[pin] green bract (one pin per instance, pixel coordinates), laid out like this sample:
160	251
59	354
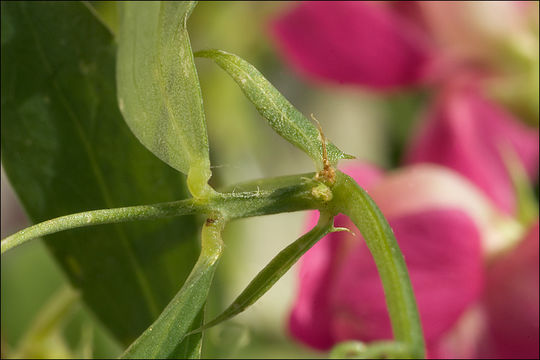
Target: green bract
158	88
284	118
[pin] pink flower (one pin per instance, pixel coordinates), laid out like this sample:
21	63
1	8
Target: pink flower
505	323
444	227
392	45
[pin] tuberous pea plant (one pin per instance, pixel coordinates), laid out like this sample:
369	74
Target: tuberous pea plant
66	149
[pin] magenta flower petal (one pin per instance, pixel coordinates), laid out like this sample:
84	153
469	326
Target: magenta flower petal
466	132
512	302
354	42
443	254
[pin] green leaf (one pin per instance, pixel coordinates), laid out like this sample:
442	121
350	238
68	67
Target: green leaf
66	149
282	116
158	88
166	337
272	272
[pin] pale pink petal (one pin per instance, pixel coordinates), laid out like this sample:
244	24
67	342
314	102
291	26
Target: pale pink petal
353	42
512	302
443	254
425	186
467	133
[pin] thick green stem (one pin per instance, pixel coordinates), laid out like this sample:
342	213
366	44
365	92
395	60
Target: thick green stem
354	202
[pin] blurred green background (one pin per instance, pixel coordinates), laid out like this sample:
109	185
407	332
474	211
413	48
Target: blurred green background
243	147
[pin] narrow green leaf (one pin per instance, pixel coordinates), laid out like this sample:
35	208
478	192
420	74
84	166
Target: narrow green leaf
282	116
158	88
66	149
272	272
166	337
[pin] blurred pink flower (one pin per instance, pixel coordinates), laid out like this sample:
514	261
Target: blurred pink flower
444	227
505	323
392	45
467	132
355	43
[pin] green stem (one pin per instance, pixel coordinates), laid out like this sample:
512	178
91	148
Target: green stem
291	197
98	217
354	202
